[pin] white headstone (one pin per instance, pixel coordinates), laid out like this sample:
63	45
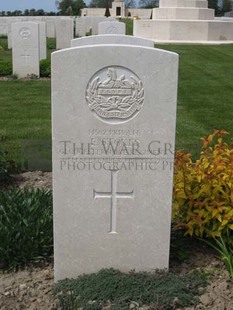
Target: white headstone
9	37
111	39
113	144
42	39
88	23
10	21
80	26
110	27
25	49
3	26
95	20
64	32
50	26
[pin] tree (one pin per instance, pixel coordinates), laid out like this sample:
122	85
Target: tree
78	6
70	7
32	12
148	4
17	13
100	3
130	4
40	12
213	4
227	6
107	11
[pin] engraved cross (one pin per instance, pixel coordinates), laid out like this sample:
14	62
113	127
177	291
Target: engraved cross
113	195
25	56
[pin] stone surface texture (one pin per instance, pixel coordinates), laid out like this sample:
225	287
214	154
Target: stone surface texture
111	27
64	32
42	39
113	142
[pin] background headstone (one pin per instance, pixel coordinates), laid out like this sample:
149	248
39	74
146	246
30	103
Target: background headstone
50	26
25	49
111	27
64	32
95	20
3	26
9	37
11	20
111	39
42	40
113	145
80	27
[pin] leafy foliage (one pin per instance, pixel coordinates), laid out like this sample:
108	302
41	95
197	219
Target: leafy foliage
4	175
45	68
51	44
203	190
70	7
5	68
26	229
100	4
148	4
3	42
31	12
227	6
180	245
111	287
6	165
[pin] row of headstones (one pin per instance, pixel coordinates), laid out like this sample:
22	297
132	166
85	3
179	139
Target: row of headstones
98	25
80	25
29	42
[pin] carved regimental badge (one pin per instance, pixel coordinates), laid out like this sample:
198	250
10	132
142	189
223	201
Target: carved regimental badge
115	94
25	33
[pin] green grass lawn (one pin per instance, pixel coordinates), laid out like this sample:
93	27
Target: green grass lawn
205	94
25	115
5	54
128	25
205	100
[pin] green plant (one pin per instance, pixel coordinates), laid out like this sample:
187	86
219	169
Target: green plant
26	231
6	165
203	195
45	68
3	42
51	43
203	190
3	167
5	68
179	245
225	248
118	290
